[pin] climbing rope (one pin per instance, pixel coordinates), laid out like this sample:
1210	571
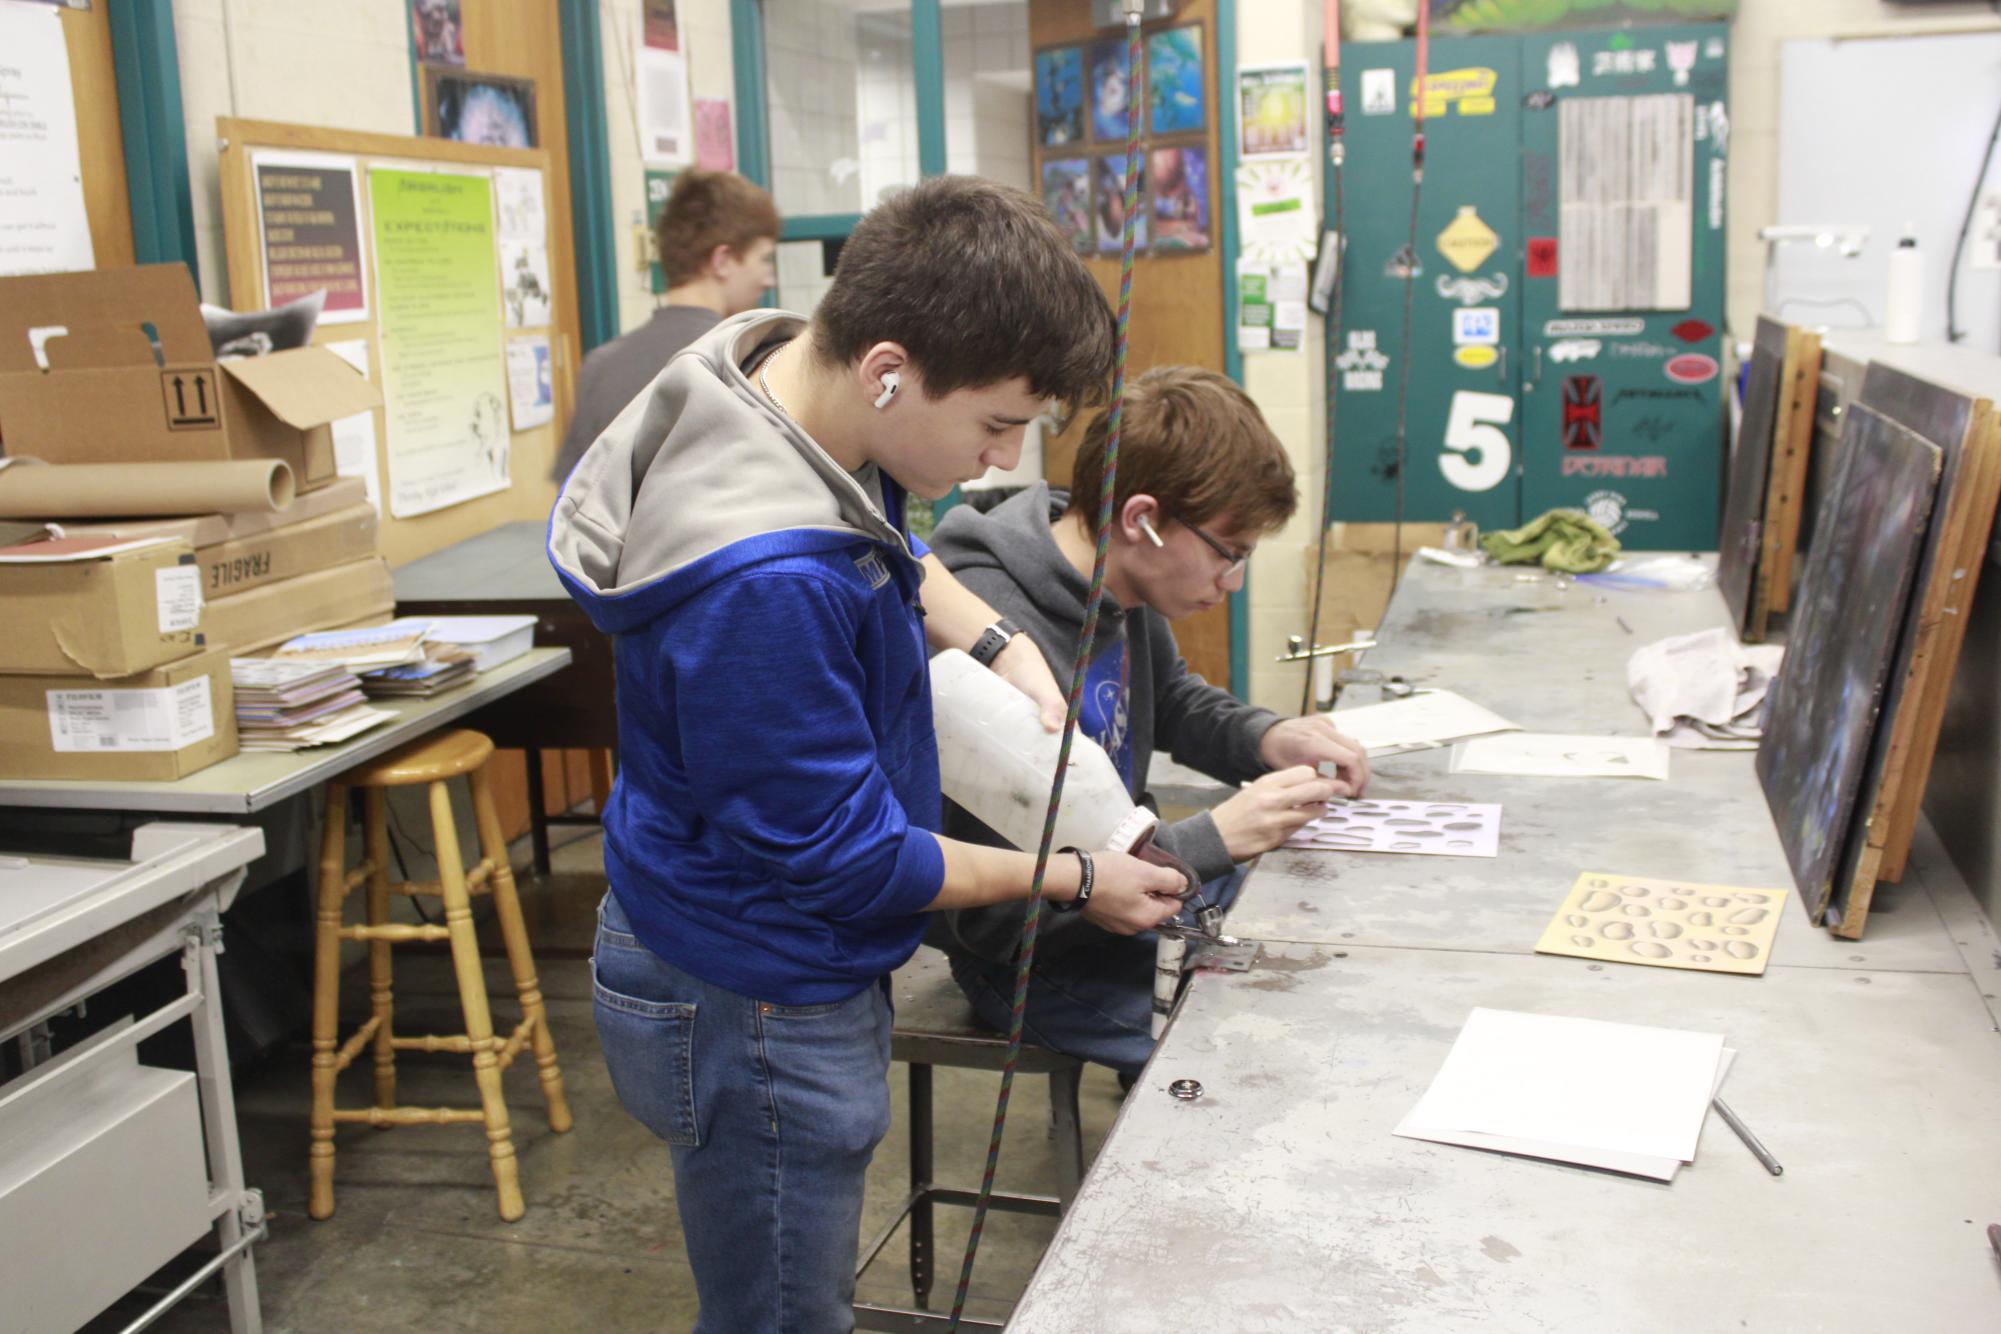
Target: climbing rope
1032	921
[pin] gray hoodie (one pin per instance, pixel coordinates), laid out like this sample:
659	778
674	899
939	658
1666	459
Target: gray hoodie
1010	558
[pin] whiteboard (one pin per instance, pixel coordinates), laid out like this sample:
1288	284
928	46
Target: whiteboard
1885	132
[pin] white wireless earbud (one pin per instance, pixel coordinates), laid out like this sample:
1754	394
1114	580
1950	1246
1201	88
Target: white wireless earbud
891	382
1151	536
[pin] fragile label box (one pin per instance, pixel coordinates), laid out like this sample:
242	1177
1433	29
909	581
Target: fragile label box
322	600
114	366
98	606
157	725
235	559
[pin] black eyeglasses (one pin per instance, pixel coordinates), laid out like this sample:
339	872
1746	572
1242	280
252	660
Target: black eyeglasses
1236	560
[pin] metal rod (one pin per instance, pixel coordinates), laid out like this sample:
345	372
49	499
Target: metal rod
1326	650
1751	1142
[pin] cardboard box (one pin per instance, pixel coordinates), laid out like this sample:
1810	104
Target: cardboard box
266	617
208	530
103	392
157	725
232	568
98	607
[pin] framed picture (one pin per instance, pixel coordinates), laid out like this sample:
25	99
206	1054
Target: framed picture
437	32
1111	91
481	108
1177	182
1108	189
1066	193
1176	94
1059	96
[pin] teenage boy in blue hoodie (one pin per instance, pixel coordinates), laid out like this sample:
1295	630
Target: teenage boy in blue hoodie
769	843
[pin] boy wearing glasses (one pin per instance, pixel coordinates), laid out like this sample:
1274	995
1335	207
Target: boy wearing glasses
1201	479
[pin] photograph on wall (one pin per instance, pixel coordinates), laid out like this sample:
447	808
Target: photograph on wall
1175	98
1271	103
524	282
1066	193
436	30
309	215
482	109
1178	179
1109	191
1059	95
662	26
1111	91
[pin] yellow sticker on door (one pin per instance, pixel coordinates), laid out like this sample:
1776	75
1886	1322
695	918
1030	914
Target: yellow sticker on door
1475	356
1467	241
1470	89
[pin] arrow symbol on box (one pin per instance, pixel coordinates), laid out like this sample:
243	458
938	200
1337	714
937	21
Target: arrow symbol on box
201	393
180	398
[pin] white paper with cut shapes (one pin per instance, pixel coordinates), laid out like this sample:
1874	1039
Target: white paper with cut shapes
1426	828
1666	923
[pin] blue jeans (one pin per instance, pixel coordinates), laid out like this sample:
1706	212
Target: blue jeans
1094	1002
770	1113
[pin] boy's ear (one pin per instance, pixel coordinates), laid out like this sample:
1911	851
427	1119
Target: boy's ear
881	360
1137	516
721	256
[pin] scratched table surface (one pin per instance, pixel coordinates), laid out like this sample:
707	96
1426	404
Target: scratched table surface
1280	1200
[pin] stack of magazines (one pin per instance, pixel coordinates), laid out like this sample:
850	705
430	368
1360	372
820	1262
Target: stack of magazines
289	705
442	667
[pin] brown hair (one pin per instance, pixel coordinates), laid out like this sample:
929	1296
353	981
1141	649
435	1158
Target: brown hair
978	284
706	209
1194	441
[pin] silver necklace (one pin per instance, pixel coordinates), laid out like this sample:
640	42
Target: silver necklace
765	384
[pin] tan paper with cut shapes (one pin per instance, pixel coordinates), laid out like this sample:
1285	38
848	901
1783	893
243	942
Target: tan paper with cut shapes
1666	923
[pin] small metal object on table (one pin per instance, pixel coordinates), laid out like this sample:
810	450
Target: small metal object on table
506	571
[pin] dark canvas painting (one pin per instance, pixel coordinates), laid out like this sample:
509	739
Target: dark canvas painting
1828	695
1750	473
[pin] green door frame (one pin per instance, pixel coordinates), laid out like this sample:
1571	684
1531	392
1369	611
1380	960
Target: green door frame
148	66
1233	358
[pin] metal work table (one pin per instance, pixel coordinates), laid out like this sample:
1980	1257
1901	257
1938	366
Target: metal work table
1282	1201
88	1134
254	780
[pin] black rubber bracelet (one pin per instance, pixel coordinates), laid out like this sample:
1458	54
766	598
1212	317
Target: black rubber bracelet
1087	882
993	640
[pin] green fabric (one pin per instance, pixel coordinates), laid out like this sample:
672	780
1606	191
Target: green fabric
1567	541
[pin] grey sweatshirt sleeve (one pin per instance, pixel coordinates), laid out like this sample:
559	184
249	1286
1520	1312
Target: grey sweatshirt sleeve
1198	842
1200	725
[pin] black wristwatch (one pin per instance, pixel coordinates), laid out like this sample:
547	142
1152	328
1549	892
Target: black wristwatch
995	638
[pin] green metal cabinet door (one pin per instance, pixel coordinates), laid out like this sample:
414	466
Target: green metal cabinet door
1624	137
1460	453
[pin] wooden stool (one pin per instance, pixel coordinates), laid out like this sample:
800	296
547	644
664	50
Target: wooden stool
431	760
935	1025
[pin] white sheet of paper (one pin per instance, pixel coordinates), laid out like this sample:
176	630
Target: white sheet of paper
1425	718
1633	1164
354	437
1578	1083
1553	755
528	381
1435	828
44	227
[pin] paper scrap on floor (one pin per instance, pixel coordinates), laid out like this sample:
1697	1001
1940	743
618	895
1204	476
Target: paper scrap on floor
1426	719
1625	1097
1434	828
1666	923
1704	691
1551	755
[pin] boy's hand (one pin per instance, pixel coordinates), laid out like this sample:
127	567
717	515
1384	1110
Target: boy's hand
1271	810
1313	741
1131	896
1021	665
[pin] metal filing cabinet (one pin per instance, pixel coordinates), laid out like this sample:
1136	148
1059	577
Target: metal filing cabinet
1533	386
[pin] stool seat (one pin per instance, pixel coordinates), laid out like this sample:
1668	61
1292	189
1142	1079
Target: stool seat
935	1024
426	760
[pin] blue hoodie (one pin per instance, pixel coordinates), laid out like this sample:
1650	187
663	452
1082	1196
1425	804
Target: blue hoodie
778	773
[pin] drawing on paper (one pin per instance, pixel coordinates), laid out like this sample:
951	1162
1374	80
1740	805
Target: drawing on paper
1435	828
1552	755
1666	923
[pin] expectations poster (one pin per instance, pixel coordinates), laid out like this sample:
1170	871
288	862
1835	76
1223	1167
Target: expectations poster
444	375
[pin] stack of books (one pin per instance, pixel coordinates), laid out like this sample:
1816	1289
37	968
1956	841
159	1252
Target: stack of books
443	666
284	705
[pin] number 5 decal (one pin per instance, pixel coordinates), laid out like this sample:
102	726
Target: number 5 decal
1474	426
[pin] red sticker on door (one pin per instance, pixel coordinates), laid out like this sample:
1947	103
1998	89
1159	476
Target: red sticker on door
1542	257
1583	408
1691	368
1693	331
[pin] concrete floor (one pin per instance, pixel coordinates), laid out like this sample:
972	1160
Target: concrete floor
416	1242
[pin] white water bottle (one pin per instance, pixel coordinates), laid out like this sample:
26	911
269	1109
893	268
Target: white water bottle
995	760
1905	299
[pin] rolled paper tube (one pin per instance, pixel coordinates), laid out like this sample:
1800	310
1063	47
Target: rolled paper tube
131	490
